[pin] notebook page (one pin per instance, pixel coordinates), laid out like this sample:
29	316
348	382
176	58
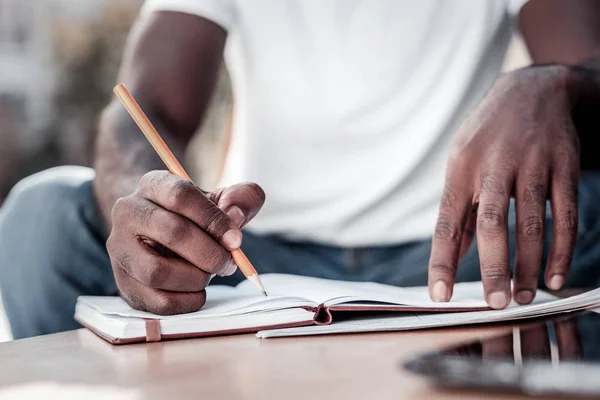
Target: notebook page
220	301
316	289
544	304
463	292
332	292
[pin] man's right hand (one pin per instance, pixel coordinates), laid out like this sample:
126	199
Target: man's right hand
169	237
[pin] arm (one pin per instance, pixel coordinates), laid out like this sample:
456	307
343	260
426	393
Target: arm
568	33
171	65
524	141
167	236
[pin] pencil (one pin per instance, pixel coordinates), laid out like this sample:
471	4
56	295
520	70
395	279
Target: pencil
175	167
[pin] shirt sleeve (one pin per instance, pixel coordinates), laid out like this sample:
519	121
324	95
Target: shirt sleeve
220	12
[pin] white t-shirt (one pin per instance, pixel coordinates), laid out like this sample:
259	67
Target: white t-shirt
345	109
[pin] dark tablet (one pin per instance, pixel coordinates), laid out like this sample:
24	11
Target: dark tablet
560	356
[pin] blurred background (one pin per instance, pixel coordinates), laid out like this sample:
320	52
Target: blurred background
58	64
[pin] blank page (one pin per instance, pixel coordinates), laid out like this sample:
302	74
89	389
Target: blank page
332	292
220	301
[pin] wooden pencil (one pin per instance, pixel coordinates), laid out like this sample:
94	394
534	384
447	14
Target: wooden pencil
175	167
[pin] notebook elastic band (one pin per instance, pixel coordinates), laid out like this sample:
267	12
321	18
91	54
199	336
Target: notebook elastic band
152	330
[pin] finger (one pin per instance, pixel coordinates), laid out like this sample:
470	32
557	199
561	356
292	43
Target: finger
153	270
535	344
447	239
468	232
501	347
241	202
531	195
158	302
492	237
564	222
568	339
174	232
184	198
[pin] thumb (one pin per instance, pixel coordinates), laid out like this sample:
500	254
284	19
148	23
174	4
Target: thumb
240	202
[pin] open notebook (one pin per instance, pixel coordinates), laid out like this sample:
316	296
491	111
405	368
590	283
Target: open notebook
299	306
293	301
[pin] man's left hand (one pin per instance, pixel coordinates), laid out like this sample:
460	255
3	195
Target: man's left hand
520	142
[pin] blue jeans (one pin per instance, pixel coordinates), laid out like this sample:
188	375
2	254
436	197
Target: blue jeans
52	249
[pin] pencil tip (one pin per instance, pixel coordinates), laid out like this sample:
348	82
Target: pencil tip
264	293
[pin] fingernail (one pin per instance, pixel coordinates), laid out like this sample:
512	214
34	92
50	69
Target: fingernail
232	239
237	216
556	282
440	292
498	300
524	296
231	269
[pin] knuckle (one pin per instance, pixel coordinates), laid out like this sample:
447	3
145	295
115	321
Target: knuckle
156	273
151	182
121	209
146	179
492	183
142	212
153	178
490	220
134	300
214	221
168	305
569	183
567	224
175	230
217	261
178	193
535	193
531	229
110	243
447	230
493	271
443	268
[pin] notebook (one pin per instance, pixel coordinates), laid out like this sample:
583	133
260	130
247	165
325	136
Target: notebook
544	304
293	301
302	306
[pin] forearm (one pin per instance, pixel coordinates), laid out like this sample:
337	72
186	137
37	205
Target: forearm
568	33
123	156
170	65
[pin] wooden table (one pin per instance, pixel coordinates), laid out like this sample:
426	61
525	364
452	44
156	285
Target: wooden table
81	366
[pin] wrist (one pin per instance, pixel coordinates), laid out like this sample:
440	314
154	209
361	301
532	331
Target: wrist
547	82
566	80
587	82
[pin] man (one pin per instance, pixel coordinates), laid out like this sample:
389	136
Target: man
348	116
